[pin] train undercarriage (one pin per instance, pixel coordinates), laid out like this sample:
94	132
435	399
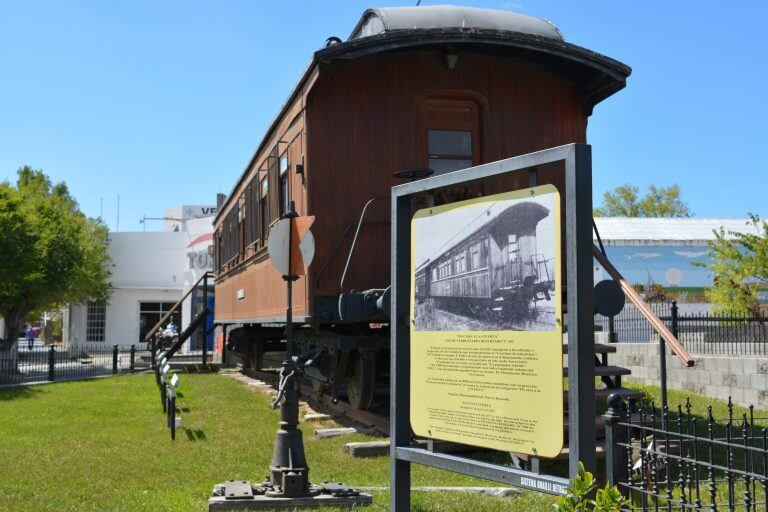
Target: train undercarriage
350	358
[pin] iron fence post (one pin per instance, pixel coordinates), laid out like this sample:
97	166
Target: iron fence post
205	320
612	335
673	327
133	357
152	355
615	436
663	356
51	363
114	359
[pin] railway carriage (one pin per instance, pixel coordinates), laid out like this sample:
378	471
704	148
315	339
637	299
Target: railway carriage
430	87
495	270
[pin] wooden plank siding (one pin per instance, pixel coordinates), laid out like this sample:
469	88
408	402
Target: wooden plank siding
354	124
364	124
262	286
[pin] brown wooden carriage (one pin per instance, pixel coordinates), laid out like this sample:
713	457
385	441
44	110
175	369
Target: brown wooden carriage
437	87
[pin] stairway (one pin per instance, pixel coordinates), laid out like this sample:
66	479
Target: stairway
185	334
610	377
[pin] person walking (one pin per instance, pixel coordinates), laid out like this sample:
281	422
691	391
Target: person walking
30	337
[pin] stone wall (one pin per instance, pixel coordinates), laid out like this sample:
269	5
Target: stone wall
744	379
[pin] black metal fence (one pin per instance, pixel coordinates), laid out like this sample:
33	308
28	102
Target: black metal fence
701	334
722	334
677	460
50	363
630	326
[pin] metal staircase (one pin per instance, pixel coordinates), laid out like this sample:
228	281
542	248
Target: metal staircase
610	376
186	334
203	285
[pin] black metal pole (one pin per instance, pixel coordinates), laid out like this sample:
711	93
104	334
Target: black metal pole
133	357
205	320
615	435
289	471
663	357
580	301
114	359
51	363
612	337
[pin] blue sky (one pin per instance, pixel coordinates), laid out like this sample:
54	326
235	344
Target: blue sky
164	102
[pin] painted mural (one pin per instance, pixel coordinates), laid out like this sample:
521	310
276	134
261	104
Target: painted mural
662	271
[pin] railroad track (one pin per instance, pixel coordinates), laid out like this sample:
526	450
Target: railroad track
371	419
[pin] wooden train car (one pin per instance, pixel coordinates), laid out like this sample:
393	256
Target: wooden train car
436	87
496	268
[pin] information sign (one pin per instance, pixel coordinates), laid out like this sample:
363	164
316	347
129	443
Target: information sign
486	324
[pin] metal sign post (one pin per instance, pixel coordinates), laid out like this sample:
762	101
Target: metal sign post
291	249
576	159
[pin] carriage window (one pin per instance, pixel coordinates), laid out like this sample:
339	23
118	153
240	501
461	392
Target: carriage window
264	209
475	256
285	197
434	274
449	150
451	133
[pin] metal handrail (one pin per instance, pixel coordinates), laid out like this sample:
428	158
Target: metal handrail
677	347
176	306
354	240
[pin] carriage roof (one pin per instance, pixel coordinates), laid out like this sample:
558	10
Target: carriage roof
506	34
519	217
386	20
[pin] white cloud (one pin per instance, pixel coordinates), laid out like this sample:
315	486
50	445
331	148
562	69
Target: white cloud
691	254
643	255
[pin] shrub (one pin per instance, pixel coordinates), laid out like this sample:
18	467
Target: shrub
578	499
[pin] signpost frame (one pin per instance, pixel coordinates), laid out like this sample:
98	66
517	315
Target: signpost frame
577	163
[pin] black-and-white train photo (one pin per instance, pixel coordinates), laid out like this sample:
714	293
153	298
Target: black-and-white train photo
488	266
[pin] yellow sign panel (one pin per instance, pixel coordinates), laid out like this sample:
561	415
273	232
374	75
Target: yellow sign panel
486	325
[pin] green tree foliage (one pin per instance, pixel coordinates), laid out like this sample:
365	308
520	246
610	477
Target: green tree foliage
578	499
52	254
625	201
739	263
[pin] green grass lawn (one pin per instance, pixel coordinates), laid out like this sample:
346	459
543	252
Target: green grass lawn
103	445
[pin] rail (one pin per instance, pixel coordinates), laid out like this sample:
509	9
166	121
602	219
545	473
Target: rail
657	324
148	337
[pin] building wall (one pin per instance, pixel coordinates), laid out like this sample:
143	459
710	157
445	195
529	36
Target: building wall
745	379
148	260
122	316
146	267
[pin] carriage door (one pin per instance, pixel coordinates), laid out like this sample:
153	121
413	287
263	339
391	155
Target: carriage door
451	129
513	271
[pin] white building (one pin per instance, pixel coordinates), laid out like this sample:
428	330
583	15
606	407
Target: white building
151	272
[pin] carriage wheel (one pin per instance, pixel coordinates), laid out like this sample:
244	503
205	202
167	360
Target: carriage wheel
362	381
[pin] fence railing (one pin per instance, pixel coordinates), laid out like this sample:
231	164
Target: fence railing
729	335
668	460
701	333
50	363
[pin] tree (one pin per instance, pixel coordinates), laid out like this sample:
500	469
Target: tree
625	201
739	263
52	254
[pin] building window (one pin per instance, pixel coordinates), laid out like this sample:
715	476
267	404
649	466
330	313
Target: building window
96	321
151	312
264	209
285	193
